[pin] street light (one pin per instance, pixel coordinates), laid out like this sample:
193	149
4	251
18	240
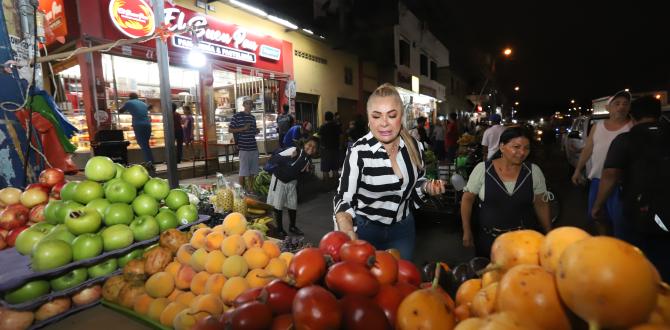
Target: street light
572	101
516	88
507	51
516	103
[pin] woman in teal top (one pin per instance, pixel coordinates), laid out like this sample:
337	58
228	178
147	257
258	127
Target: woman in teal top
511	194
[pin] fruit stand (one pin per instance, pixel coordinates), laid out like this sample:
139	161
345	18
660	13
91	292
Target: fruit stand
61	240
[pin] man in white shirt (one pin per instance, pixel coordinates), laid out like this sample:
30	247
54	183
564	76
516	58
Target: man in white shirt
491	137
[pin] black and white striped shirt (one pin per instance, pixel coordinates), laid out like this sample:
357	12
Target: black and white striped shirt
369	187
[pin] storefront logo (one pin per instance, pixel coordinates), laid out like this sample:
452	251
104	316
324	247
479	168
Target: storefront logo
134	18
214	49
269	52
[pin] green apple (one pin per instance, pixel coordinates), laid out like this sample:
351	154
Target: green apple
27	292
99	205
83	220
119	170
187	214
65	209
136	175
116	237
59	232
31	236
176	198
145	205
100	168
87	191
119	191
51	212
167	220
86	246
134	254
67	192
51	254
157	188
104	268
118	213
69	279
144	228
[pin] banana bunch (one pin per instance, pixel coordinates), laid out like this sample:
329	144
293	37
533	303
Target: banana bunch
260	224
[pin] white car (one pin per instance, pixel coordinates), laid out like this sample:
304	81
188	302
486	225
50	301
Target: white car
574	141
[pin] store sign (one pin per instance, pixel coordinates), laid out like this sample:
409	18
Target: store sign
55	26
220	39
134	18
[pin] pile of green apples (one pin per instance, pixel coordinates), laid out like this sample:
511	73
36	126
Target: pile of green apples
114	207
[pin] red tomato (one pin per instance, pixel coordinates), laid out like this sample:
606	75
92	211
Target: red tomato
347	277
283	322
280	296
331	243
358	251
385	268
405	289
247	296
389	298
316	308
408	273
361	313
252	315
307	267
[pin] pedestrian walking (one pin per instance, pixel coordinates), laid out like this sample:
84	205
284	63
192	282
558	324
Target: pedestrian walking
187	124
437	138
296	133
640	159
382	176
511	194
329	133
597	143
451	137
284	123
491	137
178	132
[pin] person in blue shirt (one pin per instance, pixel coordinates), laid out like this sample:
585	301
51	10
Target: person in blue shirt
295	133
141	125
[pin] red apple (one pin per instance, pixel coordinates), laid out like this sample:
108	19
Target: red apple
14	216
3	244
52	176
40	186
11	237
3	233
34	196
37	213
55	190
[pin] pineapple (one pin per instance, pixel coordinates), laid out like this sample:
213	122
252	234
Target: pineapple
225	198
240	206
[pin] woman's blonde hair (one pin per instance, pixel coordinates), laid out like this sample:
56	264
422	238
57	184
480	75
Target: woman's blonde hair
388	90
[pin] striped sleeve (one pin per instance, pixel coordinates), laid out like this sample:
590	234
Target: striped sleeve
418	191
344	198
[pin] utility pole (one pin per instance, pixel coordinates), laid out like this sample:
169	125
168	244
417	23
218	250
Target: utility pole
166	98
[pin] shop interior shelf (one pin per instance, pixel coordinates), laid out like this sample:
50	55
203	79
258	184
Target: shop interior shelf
30	305
73	310
20	271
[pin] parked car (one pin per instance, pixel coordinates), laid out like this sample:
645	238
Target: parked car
574	141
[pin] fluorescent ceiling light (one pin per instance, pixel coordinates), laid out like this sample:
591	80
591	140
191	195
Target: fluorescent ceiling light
308	31
283	22
249	8
322	37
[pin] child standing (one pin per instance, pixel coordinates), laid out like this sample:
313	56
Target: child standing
283	193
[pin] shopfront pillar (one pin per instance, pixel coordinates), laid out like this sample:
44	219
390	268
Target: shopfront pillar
93	92
207	107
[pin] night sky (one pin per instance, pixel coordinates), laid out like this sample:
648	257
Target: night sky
562	50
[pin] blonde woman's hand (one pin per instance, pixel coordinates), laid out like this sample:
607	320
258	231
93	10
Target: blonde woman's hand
434	187
467	239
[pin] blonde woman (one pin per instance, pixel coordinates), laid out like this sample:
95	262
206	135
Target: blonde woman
383	174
